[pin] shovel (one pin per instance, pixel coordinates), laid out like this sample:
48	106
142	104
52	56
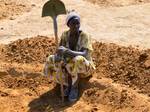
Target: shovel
53	8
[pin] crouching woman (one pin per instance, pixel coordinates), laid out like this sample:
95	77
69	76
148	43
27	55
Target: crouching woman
72	59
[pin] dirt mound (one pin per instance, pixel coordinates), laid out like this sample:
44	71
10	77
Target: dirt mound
109	96
10	8
29	50
117	3
116	98
126	65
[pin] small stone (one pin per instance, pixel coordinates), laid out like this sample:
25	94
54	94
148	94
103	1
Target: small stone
3	94
33	5
147	63
111	65
12	18
29	94
3	73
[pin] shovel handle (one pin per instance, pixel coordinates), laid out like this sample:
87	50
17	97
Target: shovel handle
56	40
55	30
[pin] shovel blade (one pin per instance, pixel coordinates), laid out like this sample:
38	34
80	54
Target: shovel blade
53	8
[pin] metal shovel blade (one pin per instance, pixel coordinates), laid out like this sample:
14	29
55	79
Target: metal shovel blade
53	8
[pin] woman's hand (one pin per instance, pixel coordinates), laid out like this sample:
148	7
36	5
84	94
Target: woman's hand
58	58
61	50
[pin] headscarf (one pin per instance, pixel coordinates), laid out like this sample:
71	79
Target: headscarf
72	15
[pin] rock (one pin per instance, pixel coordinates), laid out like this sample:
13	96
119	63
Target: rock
3	73
2	28
33	5
143	57
147	63
12	18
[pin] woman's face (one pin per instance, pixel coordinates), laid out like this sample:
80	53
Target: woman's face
74	25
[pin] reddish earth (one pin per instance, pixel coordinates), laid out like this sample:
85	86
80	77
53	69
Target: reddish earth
120	83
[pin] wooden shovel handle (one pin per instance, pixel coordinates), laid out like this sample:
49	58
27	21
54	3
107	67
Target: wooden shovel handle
55	30
57	45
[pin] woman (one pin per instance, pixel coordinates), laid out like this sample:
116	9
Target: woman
72	59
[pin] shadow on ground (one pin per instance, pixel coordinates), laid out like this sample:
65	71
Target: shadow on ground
51	100
48	102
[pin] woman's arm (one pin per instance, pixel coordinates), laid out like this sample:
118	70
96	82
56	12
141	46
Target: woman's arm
71	53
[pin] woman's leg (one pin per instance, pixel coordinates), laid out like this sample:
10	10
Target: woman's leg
54	70
75	67
79	66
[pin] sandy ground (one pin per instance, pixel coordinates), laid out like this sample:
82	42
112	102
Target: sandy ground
123	25
121	81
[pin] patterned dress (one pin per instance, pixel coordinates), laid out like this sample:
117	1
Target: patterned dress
76	66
